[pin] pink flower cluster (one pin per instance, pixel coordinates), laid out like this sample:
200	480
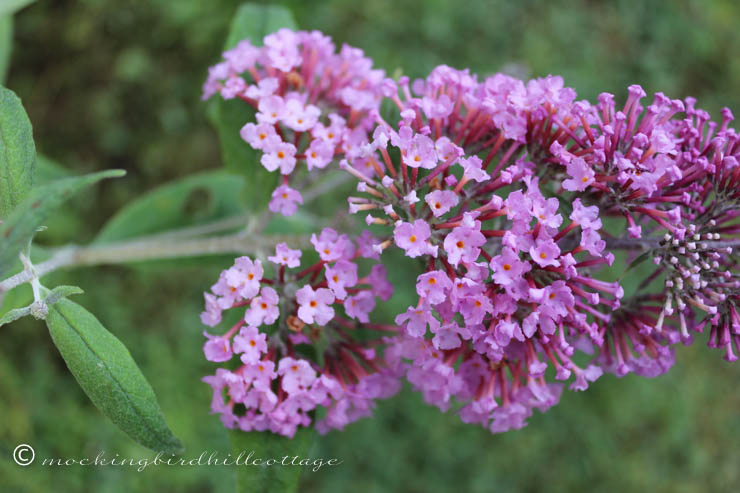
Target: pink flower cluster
520	203
311	102
494	299
274	380
501	188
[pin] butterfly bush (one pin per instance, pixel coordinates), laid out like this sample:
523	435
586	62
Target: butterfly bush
510	200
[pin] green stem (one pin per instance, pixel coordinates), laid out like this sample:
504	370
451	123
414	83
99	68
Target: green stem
153	248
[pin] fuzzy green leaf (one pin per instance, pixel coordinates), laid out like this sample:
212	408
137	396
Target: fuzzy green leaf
15	314
21	225
61	292
109	375
17	152
265	445
191	201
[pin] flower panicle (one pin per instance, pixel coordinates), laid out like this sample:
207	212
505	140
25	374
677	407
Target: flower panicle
312	102
277	381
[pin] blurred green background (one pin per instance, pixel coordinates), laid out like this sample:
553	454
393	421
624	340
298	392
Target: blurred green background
117	84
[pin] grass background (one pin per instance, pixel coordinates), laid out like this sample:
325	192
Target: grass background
117	84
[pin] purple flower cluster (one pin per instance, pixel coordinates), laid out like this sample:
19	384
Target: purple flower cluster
311	102
506	289
277	381
519	202
501	188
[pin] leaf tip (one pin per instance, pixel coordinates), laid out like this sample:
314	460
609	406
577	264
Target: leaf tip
116	173
173	447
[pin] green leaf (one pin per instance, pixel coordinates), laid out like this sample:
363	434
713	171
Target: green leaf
12	6
48	170
253	22
61	292
266	445
67	221
109	376
238	156
15	314
21	225
17	152
6	44
640	259
188	202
